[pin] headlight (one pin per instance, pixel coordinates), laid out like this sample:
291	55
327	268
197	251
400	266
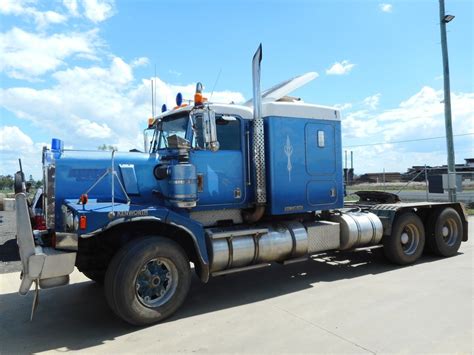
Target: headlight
76	223
69	220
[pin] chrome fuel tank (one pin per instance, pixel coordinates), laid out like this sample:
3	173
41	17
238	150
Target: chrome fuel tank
358	229
232	248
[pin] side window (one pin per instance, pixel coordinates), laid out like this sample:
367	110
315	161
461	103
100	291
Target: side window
228	133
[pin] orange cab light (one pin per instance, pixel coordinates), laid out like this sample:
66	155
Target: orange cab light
198	98
151	120
83	222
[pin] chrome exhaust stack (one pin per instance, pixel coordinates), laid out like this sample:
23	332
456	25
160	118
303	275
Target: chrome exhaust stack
258	144
258	133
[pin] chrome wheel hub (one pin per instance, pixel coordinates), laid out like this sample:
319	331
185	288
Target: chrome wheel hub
404	238
156	282
450	232
445	231
410	239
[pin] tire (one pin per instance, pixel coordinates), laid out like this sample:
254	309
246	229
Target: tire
405	245
95	275
444	232
147	280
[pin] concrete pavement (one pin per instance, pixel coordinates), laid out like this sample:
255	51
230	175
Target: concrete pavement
350	303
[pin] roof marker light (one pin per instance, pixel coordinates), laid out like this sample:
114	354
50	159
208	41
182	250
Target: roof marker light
198	100
163	108
179	99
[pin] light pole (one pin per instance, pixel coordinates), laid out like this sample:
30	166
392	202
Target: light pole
443	20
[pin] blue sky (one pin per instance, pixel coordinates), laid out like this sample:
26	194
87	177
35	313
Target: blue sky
80	69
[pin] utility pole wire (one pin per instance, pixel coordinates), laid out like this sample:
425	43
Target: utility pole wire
406	141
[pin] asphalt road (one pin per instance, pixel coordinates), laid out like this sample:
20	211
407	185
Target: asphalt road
350	303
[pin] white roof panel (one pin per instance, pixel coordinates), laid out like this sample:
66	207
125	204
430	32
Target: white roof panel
300	110
280	109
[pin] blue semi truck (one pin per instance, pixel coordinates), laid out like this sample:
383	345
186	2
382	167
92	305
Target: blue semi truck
219	189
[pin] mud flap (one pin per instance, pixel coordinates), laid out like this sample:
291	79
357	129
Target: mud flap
46	267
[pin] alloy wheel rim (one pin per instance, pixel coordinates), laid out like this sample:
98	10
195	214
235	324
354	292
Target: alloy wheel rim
156	282
410	239
450	232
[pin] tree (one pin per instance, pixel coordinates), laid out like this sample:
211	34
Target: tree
6	182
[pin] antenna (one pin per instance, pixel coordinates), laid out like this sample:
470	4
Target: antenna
215	83
155	89
152	101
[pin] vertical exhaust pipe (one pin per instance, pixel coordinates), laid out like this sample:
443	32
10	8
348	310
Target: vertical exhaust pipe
258	144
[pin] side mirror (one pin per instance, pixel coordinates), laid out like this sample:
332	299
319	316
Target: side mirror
146	140
209	131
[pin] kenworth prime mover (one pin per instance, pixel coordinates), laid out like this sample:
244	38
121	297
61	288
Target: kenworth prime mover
225	187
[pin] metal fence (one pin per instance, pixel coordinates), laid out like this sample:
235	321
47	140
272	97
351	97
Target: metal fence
424	185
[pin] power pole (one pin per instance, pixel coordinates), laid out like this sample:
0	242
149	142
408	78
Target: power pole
443	20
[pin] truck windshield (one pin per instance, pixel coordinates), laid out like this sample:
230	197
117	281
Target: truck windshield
176	125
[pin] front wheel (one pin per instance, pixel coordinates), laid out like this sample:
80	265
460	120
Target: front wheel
147	280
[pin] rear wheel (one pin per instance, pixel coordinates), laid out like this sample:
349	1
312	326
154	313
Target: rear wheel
147	280
444	232
405	245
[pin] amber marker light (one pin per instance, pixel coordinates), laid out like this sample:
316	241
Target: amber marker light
83	222
151	120
198	99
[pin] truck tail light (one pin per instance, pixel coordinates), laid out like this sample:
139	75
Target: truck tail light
83	222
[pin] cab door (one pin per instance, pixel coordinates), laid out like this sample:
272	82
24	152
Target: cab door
221	174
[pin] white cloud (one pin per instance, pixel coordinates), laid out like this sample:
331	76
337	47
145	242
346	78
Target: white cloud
24	8
72	7
12	138
98	10
420	116
27	55
87	107
14	145
386	7
140	62
372	101
340	68
92	129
